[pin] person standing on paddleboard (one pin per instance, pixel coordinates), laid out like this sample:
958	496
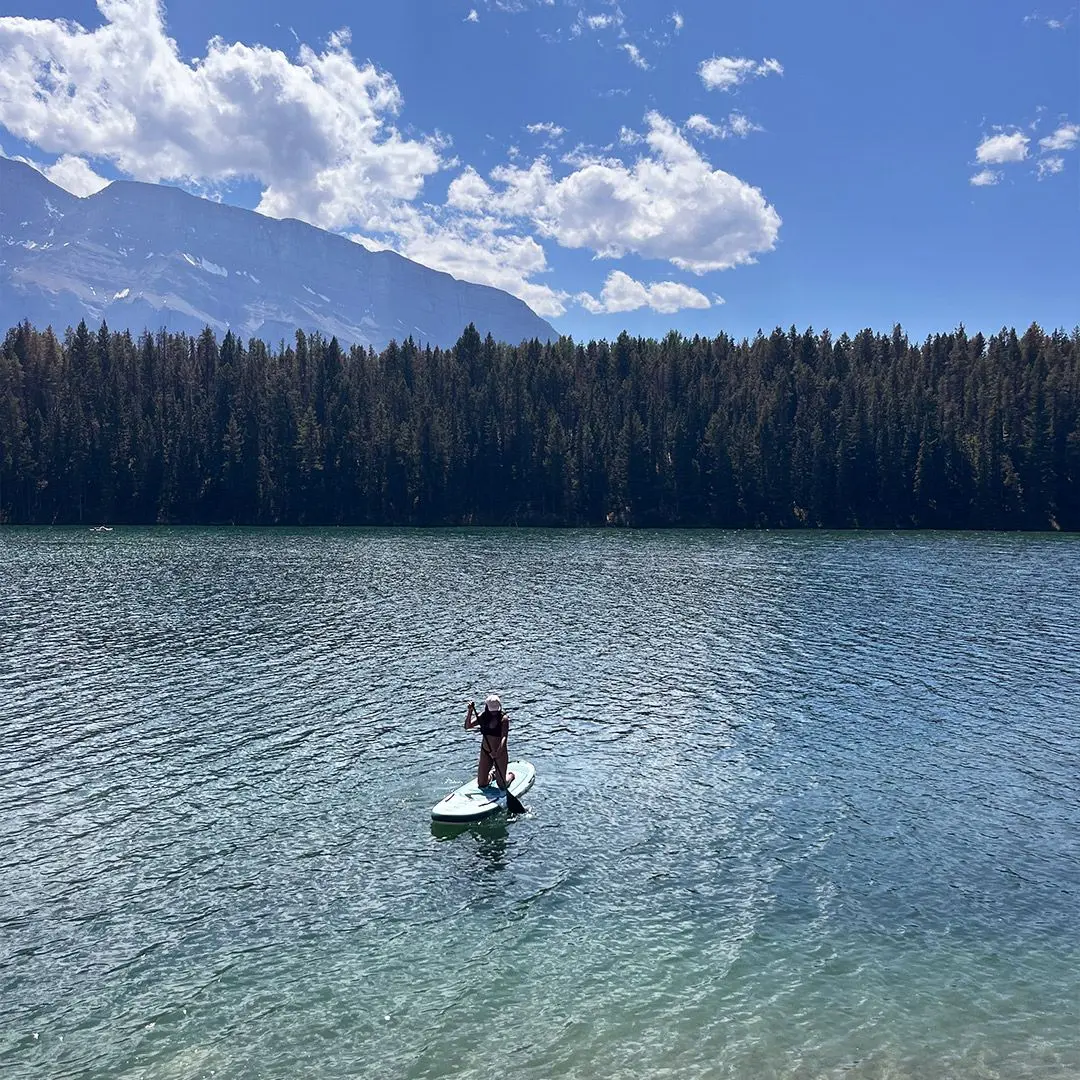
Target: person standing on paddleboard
494	727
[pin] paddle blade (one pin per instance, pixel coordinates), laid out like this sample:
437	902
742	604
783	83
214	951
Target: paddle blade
513	805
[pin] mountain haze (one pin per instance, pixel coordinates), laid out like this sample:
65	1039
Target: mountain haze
147	256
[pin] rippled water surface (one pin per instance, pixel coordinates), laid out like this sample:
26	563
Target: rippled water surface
806	806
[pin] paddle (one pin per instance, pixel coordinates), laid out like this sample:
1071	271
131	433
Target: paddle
513	804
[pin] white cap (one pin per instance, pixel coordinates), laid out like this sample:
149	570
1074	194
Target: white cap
493	704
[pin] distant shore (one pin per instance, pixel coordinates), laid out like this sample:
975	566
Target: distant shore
791	430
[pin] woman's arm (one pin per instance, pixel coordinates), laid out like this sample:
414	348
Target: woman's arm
471	719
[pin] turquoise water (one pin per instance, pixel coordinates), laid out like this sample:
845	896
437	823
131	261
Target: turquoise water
807	805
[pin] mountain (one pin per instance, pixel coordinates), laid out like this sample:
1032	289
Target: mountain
147	256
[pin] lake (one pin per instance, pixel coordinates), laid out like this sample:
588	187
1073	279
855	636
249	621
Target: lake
807	805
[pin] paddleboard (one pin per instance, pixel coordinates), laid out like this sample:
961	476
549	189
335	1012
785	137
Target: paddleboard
470	802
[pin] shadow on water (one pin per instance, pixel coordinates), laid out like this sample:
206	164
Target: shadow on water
490	836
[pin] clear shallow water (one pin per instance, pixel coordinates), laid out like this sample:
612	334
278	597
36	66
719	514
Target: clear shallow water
807	805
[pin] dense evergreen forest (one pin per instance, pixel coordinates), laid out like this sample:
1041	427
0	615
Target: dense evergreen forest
790	429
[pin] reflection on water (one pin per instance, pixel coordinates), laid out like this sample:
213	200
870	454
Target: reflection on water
488	837
806	805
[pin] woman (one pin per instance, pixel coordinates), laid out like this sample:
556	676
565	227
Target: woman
494	727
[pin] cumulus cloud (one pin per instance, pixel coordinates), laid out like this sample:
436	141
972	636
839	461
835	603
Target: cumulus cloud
469	192
678	21
476	248
623	293
736	125
1065	138
1009	147
635	56
1002	149
473	16
727	72
73	174
702	125
314	131
670	204
552	131
1050	165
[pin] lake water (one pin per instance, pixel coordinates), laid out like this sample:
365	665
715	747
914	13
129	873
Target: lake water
807	805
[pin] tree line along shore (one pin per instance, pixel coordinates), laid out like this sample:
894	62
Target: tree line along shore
790	429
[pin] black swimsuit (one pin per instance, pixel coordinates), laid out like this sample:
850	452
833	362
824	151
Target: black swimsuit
490	726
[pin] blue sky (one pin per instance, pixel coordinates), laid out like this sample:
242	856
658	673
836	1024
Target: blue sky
639	166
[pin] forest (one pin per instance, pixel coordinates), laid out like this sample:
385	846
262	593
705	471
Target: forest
787	430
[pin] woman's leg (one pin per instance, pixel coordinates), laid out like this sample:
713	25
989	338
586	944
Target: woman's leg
502	762
483	769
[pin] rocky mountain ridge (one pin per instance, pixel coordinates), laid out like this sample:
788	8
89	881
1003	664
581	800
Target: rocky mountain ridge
150	256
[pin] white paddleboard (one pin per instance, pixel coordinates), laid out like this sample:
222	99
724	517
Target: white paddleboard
470	802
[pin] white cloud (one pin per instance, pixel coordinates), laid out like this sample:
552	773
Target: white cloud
1053	24
671	204
727	72
317	134
985	178
635	56
599	21
370	242
1050	165
476	249
1065	138
623	293
582	154
678	20
547	128
736	125
1002	149
469	192
702	125
629	137
473	16
75	175
741	126
315	131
